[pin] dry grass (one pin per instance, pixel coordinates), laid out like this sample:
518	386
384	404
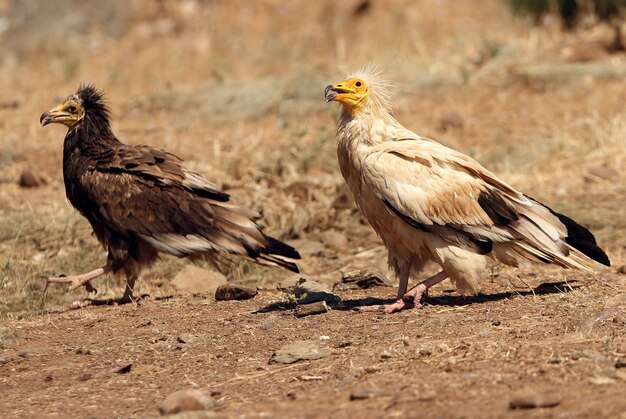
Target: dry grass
237	92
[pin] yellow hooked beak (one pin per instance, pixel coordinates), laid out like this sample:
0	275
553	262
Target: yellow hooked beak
58	115
333	91
352	93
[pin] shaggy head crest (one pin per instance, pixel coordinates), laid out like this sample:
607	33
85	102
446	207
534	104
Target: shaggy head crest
93	100
85	107
379	84
365	89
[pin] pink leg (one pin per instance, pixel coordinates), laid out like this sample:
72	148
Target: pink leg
420	291
399	304
77	281
411	298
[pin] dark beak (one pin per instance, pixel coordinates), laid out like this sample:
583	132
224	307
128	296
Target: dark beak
45	119
58	115
329	94
332	90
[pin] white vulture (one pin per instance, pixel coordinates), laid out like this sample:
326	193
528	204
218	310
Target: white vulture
428	202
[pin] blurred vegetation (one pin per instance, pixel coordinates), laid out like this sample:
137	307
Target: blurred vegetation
571	11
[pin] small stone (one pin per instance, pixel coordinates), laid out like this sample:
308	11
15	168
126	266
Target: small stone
187	338
9	104
363	278
342	345
344	198
451	120
318	307
299	191
529	399
299	351
621	269
84	377
334	240
26	352
8	338
31	179
229	292
196	280
586	326
308	291
601	380
423	352
143	323
188	400
268	324
386	354
620	363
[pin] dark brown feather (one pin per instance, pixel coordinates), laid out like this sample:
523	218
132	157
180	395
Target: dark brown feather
141	201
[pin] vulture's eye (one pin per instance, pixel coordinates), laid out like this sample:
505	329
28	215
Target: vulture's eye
357	84
72	109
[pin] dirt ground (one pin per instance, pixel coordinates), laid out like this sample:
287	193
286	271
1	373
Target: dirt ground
236	89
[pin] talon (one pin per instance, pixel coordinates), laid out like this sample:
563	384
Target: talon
90	288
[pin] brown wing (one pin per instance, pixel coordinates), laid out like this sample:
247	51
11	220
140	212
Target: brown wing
145	192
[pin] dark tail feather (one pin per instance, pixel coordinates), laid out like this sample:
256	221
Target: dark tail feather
275	251
280	262
278	248
580	238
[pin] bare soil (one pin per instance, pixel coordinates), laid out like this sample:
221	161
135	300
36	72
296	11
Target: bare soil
236	90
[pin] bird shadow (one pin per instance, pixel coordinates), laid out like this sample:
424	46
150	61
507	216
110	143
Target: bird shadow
442	300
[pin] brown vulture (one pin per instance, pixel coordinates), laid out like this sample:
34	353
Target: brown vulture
428	202
141	200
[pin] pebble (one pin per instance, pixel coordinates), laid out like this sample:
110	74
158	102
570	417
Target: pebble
343	198
529	399
8	338
363	278
187	338
30	179
309	291
84	377
620	363
229	292
299	351
318	307
621	269
26	352
334	240
188	400
451	120
423	352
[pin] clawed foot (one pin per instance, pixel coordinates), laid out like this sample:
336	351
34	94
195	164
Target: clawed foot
76	281
418	293
400	304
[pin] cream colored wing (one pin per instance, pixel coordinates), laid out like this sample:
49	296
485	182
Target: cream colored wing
443	192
